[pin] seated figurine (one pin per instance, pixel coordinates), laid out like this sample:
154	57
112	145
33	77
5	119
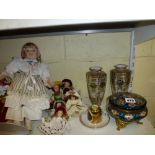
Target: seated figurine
58	123
74	104
67	85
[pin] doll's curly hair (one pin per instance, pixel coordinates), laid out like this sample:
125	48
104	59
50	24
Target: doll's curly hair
30	44
67	80
63	109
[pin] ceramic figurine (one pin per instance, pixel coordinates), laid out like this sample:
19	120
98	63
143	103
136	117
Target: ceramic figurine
4	86
58	123
27	94
56	96
66	85
74	104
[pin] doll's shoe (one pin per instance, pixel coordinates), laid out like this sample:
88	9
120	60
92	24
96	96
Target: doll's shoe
9	121
17	123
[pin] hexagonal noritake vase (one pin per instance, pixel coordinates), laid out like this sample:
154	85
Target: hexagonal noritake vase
96	84
120	78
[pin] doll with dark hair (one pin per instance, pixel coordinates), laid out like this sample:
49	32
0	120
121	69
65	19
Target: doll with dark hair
66	85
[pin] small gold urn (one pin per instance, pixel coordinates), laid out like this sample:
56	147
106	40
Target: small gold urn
95	114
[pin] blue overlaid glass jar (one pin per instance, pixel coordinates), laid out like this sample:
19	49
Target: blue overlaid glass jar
126	108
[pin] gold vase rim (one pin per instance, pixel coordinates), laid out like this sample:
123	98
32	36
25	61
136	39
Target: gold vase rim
95	68
121	66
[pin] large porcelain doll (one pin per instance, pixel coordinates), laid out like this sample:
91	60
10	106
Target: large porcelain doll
58	123
27	95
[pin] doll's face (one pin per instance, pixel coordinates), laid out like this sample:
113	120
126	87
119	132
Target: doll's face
58	104
31	53
67	85
56	88
73	98
60	113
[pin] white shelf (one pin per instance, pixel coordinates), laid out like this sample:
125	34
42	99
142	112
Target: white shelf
77	128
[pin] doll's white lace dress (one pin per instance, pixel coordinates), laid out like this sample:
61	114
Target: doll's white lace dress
57	125
75	106
27	95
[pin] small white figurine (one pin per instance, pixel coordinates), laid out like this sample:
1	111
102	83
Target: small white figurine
74	104
58	123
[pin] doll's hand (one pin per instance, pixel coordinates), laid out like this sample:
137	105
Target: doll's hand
43	120
50	83
3	75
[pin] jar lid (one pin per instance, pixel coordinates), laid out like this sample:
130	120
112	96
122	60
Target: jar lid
120	66
95	68
128	101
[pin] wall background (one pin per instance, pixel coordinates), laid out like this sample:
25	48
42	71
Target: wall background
144	78
70	56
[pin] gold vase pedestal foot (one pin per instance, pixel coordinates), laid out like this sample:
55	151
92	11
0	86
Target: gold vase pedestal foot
138	122
95	114
122	124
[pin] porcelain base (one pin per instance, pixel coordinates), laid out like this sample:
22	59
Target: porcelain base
84	120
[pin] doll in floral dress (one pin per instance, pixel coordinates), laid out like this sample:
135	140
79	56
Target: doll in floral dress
27	94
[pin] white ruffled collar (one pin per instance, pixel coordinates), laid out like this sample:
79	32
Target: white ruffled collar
30	61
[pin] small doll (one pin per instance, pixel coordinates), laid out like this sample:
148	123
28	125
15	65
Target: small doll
58	123
4	86
66	85
56	96
74	104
